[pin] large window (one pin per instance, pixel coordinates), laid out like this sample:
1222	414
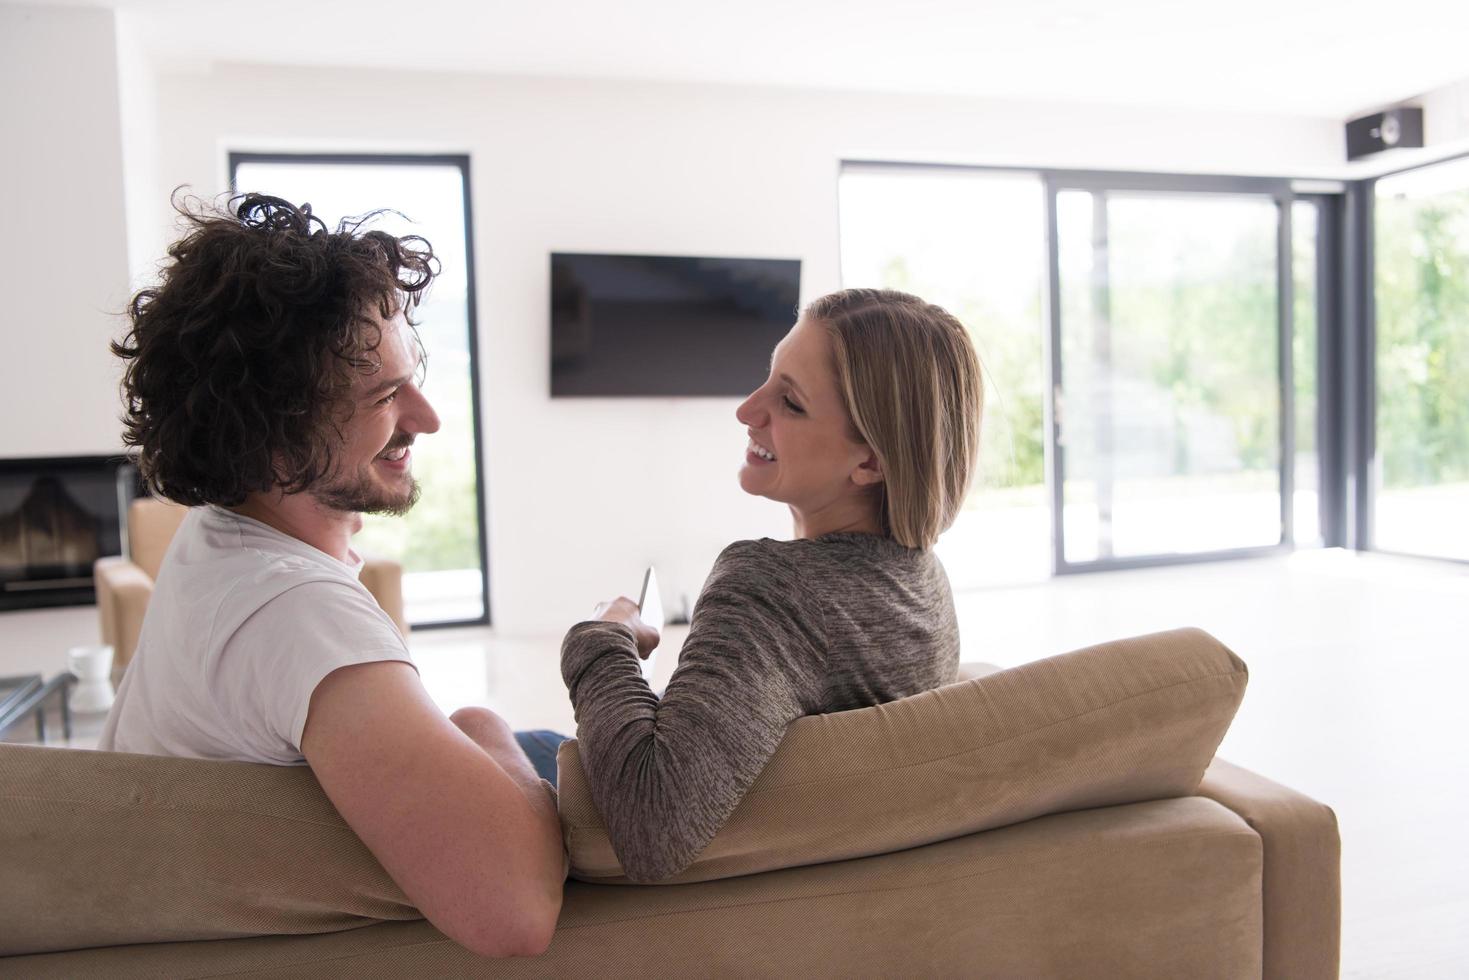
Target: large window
974	243
1420	477
1149	345
441	542
1170	374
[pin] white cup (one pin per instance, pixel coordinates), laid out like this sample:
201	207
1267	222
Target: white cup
93	669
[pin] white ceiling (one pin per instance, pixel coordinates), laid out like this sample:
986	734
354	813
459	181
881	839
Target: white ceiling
1288	56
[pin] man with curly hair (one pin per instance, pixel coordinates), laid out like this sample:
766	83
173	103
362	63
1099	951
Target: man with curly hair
272	385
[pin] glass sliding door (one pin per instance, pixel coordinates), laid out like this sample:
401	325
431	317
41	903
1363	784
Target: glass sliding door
974	243
1151	347
441	542
1169	374
1420	472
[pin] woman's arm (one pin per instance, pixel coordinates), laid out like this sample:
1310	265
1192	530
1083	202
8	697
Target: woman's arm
667	774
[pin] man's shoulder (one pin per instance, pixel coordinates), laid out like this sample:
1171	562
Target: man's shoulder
213	545
219	572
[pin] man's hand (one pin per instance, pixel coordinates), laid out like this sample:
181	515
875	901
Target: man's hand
490	732
623	610
486	729
473	841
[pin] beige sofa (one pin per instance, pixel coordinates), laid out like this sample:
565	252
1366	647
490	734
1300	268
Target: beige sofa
1044	821
124	584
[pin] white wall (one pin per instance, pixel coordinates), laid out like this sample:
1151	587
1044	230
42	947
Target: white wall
1446	115
63	241
148	228
582	493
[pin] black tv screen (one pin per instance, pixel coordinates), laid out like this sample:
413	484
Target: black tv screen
667	325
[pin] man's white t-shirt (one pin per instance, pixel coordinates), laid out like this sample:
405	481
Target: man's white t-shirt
243	623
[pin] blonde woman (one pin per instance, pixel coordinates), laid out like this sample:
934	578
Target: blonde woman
868	429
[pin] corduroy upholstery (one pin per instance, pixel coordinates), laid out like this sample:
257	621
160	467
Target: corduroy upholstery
1165	889
103	849
1301	890
1131	720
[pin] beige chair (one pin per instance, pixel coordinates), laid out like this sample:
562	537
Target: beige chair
124	584
1065	818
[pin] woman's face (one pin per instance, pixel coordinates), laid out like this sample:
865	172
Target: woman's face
802	451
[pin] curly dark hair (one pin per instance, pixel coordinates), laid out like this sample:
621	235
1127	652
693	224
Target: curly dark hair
241	360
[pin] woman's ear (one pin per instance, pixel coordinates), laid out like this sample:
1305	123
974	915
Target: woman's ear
868	472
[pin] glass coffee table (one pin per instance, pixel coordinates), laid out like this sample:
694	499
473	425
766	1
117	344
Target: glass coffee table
26	696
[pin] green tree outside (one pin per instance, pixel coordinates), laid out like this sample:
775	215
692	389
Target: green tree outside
1422	294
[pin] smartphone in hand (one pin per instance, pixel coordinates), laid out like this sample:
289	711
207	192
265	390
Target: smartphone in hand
650	611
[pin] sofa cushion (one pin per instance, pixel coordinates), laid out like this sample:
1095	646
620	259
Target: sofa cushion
1122	722
104	848
1151	891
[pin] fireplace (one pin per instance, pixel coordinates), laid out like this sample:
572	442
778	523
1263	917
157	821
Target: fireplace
57	517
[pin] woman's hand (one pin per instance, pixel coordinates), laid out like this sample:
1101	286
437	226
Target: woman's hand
623	610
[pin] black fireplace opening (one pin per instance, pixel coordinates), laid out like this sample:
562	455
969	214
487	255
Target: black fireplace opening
57	517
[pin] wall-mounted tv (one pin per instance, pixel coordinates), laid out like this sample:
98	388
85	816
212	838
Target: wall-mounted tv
630	325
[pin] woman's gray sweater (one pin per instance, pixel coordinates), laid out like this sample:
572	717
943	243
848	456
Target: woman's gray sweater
782	629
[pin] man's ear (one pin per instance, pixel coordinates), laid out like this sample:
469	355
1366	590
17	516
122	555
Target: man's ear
868	472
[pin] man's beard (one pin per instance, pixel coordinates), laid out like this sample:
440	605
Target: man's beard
364	495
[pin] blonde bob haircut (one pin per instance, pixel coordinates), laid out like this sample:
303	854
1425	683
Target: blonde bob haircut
911	383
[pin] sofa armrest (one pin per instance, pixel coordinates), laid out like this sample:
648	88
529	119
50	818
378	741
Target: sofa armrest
384	579
1301	889
123	590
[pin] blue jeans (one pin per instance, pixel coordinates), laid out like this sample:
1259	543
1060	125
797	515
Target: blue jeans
540	748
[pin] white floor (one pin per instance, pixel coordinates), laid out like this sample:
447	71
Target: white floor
1358	677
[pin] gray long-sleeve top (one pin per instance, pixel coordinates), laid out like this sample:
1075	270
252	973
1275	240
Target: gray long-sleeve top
782	629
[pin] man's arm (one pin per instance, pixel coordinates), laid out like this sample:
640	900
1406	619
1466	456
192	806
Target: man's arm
489	731
461	823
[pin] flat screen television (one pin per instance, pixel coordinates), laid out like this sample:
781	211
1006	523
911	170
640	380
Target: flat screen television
662	325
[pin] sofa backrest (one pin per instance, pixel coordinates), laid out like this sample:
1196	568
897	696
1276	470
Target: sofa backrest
1123	722
105	848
